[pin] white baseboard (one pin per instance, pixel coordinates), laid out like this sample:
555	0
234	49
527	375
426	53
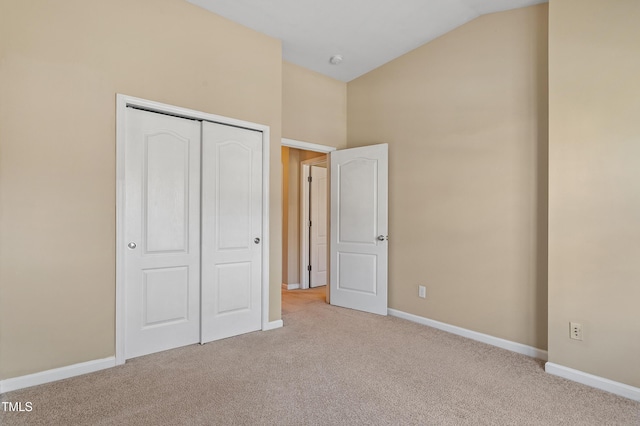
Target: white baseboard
273	325
290	286
474	335
593	381
56	374
42	377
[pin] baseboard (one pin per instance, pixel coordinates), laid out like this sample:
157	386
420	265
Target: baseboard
290	286
47	376
272	325
56	374
597	382
474	335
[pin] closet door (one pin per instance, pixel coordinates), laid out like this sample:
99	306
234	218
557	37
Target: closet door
231	231
162	232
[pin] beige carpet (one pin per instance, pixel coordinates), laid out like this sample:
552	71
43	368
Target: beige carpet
326	366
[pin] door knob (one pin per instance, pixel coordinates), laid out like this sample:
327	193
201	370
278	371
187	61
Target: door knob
381	238
256	240
132	245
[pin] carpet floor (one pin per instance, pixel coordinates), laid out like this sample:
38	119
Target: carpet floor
326	366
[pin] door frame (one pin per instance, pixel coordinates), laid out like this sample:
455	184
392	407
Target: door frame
305	201
124	101
308	146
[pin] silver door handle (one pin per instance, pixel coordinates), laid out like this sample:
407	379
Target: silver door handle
256	240
132	245
383	237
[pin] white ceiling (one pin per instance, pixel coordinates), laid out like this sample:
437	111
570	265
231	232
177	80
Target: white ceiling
367	33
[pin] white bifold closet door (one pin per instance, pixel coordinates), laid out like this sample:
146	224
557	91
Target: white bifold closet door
231	231
162	228
193	216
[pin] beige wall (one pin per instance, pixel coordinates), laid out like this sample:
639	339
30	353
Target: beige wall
61	65
594	179
465	117
314	107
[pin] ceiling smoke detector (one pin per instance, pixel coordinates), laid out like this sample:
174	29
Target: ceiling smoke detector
336	59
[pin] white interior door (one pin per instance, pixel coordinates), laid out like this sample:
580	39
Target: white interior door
318	241
162	225
231	231
359	227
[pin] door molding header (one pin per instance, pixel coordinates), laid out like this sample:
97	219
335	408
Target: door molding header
124	101
307	146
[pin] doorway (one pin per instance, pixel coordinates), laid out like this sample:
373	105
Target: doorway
358	219
296	168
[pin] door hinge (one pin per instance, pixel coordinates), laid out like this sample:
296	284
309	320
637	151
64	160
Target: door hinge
309	224
308	178
309	268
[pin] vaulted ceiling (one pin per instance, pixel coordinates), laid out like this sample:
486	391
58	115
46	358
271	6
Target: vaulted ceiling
366	33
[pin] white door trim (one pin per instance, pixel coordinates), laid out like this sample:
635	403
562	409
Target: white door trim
122	102
307	146
305	169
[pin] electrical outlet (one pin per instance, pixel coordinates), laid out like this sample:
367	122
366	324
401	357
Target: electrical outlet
422	291
575	331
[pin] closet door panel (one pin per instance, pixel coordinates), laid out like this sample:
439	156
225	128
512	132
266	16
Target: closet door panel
231	231
162	232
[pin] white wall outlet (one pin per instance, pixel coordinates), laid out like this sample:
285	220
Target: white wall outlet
422	291
575	331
